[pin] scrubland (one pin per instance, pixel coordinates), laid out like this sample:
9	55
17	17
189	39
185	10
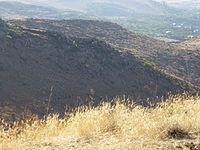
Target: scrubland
171	124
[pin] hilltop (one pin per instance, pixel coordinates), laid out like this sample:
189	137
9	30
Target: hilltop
43	68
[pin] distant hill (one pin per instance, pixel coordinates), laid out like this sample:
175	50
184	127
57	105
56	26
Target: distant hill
52	9
147	16
35	63
145	7
13	10
108	10
183	3
18	10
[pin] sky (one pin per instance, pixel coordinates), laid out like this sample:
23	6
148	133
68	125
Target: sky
101	0
39	1
59	3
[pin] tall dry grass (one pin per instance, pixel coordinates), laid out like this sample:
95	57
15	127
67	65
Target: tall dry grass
170	125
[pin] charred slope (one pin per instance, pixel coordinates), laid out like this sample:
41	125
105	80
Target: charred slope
110	32
3	27
79	70
171	58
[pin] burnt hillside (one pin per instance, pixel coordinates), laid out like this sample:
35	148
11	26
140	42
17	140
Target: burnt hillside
171	58
78	70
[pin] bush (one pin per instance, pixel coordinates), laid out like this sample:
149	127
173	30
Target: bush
13	33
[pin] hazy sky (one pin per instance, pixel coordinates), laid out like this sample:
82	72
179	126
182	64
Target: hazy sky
39	1
99	0
59	3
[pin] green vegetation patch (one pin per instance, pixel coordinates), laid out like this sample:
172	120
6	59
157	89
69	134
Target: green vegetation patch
149	63
13	33
74	44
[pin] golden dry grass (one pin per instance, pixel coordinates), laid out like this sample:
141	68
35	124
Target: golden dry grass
174	124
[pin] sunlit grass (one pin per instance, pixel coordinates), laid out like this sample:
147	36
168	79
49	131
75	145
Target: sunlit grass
119	126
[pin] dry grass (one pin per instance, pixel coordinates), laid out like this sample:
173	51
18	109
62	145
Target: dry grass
174	124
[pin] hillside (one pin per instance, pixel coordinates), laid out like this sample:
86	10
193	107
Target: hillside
3	27
41	68
172	58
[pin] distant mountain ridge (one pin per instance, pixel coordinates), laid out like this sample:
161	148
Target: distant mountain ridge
17	10
139	7
183	3
147	17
